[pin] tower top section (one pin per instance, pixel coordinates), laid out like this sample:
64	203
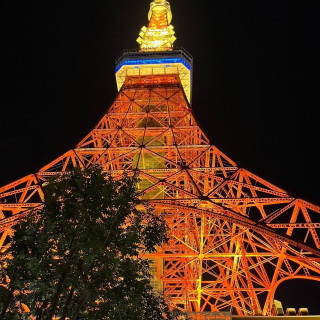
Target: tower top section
159	35
156	56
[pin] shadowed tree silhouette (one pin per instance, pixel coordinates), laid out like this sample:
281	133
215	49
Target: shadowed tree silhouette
79	257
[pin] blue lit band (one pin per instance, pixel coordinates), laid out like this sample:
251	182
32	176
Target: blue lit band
153	61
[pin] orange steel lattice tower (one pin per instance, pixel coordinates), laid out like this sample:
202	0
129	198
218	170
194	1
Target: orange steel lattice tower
234	237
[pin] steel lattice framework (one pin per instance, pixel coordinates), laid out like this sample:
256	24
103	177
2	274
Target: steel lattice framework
234	237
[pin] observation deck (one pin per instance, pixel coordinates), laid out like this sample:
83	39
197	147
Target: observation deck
145	63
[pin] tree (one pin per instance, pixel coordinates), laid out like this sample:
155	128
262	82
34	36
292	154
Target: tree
79	257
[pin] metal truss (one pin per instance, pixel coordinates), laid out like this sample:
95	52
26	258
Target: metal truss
234	237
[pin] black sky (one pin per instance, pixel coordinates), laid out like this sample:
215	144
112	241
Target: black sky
255	85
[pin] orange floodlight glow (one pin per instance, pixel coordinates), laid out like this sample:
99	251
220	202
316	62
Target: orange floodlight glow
232	234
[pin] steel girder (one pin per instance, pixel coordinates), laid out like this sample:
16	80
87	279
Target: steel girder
234	237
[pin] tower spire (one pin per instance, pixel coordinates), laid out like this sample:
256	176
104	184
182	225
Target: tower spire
159	35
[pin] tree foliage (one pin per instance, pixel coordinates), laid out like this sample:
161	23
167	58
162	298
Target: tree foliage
79	257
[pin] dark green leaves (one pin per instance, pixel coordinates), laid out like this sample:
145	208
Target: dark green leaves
79	256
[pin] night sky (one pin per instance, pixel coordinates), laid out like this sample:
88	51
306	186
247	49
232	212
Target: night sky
255	85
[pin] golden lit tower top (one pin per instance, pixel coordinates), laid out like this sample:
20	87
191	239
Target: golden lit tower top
156	55
159	35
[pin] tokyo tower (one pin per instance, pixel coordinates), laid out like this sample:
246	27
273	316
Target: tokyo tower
233	237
